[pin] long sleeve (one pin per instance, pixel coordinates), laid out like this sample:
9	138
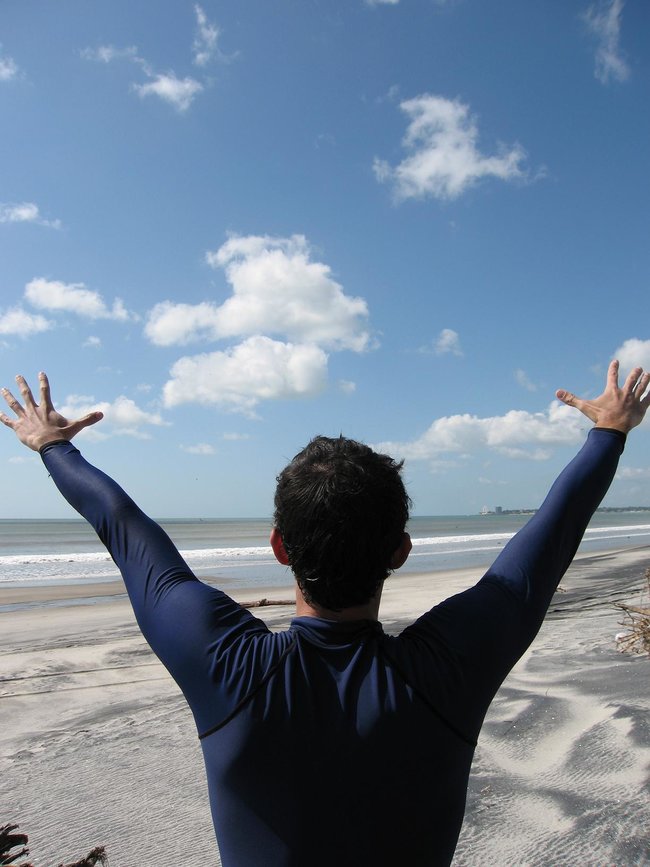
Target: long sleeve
182	619
464	647
534	561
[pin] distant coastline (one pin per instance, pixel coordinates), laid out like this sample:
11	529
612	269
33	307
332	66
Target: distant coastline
500	511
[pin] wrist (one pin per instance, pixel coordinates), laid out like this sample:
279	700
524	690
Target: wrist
44	442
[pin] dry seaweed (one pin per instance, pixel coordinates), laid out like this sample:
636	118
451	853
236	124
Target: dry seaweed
9	841
97	856
636	620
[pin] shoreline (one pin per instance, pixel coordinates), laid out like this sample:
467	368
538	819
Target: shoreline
14	596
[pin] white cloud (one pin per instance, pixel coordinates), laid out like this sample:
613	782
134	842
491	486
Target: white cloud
382	2
633	353
235	437
448	341
21	323
346	386
92	342
522	378
199	449
278	290
170	324
179	92
108	53
604	21
8	68
205	41
443	160
242	376
122	417
73	298
633	473
516	434
25	212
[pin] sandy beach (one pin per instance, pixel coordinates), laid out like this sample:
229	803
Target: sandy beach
97	746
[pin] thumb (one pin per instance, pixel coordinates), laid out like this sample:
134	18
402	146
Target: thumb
566	397
92	418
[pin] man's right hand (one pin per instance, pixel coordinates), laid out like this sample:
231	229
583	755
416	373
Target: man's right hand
617	408
36	424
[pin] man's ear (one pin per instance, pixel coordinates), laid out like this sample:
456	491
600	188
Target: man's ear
278	547
400	555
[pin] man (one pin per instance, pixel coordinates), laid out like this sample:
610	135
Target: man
332	743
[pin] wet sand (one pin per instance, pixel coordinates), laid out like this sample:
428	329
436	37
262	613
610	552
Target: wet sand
98	747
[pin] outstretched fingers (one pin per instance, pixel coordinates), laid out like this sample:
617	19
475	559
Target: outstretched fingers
26	392
641	385
634	377
46	399
612	375
12	403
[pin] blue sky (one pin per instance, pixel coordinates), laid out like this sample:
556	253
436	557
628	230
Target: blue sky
233	225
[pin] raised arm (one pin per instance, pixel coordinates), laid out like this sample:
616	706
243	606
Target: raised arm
144	554
179	616
534	561
489	626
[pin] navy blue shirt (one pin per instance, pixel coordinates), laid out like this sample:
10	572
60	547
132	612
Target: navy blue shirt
333	743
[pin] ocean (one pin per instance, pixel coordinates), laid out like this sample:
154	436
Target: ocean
237	554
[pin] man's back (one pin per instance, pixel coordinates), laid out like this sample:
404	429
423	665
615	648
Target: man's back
334	757
332	743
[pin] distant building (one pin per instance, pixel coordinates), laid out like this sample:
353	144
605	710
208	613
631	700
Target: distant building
498	510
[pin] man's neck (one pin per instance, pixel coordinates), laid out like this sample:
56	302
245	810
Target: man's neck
368	611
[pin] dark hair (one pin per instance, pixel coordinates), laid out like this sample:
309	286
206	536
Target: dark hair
341	509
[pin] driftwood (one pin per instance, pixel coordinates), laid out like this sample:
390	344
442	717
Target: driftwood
262	603
636	619
97	856
9	840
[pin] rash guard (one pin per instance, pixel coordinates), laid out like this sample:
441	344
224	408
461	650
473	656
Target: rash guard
332	743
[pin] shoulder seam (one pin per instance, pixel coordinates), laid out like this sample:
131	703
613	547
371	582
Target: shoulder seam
240	704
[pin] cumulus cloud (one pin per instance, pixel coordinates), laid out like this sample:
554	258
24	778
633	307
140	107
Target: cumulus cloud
242	376
25	212
199	449
20	323
604	21
522	378
633	353
179	92
447	342
443	159
170	324
516	434
72	298
205	41
92	342
276	289
122	417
